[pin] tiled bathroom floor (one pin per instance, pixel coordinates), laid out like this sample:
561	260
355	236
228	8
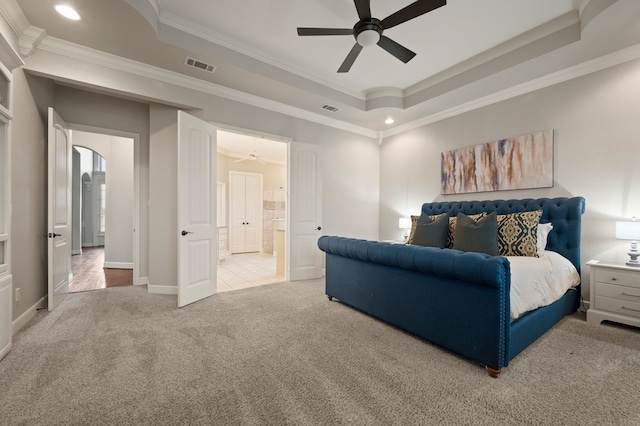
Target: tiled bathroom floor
245	270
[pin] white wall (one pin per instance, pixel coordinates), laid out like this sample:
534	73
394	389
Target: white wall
597	155
274	176
118	153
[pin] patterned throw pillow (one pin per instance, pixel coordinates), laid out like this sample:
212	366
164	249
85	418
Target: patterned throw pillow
414	223
518	233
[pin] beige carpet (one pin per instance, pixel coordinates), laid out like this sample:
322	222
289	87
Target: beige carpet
283	354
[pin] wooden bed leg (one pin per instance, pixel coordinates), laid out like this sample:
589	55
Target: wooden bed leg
493	373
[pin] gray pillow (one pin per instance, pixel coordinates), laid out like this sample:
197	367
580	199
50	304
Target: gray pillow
431	232
480	236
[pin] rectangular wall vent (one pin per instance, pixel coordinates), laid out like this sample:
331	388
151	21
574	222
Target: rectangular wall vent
330	108
199	64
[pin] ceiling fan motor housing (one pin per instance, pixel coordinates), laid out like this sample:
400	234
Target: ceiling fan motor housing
368	32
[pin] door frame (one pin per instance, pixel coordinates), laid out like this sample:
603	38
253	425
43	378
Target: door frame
136	187
274	138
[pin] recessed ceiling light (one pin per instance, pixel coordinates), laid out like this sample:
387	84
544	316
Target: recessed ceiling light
67	12
389	120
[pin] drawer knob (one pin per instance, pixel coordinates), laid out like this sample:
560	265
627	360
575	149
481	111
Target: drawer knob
614	279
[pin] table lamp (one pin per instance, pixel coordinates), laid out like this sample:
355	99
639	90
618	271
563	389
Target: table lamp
630	231
405	223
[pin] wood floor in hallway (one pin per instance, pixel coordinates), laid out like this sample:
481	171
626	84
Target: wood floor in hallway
89	272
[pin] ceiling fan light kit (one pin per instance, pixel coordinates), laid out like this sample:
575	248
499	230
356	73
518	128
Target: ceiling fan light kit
369	31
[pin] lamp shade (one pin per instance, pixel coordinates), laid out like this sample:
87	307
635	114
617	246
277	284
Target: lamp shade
404	223
628	230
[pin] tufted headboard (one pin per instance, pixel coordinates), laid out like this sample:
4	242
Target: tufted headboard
564	213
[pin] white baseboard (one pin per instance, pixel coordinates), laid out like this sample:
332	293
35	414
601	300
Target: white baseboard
118	265
162	289
76	252
142	281
28	315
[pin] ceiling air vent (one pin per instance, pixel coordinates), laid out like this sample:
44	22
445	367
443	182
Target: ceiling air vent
199	64
330	108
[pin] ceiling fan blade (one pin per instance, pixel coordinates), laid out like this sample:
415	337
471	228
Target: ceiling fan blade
414	10
324	31
351	57
397	50
364	9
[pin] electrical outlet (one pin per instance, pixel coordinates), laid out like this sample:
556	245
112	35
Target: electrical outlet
18	294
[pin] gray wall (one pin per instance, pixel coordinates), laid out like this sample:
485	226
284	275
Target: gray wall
596	125
29	190
163	197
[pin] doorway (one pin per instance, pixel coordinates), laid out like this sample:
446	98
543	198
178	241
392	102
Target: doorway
102	211
252	256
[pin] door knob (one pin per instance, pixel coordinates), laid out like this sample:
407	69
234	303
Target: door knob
186	232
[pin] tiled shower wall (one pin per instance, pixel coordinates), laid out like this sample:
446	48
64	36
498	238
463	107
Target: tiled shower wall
273	208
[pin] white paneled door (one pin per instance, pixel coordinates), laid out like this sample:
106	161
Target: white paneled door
305	211
245	197
197	223
59	209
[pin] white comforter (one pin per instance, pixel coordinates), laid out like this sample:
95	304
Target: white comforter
539	281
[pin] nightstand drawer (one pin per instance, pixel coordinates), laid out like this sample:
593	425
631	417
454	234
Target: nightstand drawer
618	292
623	307
611	276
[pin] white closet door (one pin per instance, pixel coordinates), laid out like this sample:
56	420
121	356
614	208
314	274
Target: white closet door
245	224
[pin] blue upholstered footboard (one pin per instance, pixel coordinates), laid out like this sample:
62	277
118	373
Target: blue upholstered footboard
457	300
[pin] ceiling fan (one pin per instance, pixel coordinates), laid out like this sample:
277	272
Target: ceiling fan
254	156
368	30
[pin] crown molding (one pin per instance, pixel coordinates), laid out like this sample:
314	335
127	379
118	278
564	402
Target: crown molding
603	62
11	13
502	50
211	36
30	39
14	16
8	56
103	59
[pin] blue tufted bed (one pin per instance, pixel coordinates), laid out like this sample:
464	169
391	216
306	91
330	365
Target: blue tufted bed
457	300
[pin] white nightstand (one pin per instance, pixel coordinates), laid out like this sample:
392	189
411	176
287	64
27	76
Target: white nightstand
615	293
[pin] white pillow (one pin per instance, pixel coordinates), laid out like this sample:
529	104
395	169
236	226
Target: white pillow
543	232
